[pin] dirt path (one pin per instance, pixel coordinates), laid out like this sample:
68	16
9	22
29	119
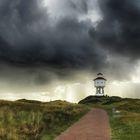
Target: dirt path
93	126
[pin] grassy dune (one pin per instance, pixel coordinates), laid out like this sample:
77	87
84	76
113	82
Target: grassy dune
127	127
31	120
126	124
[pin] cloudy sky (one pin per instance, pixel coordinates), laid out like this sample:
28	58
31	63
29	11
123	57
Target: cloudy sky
53	49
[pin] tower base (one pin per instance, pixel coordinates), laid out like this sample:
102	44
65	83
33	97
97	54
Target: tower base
99	95
99	91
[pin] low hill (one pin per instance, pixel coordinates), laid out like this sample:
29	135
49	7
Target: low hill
124	115
101	100
29	101
127	104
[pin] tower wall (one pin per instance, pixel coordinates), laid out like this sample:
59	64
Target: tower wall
99	83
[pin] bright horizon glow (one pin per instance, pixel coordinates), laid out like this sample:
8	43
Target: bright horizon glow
74	92
70	90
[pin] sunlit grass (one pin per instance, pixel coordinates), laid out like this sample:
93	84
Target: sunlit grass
37	121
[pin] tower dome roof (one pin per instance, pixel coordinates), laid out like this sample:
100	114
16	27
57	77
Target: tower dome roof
99	78
99	74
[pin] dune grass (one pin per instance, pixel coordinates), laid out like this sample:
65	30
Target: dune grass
126	127
29	120
126	124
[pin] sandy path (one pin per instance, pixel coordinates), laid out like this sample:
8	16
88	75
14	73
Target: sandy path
93	126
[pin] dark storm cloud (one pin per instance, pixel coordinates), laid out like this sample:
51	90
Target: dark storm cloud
28	37
119	31
81	6
42	47
31	38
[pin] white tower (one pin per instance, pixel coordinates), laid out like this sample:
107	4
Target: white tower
99	84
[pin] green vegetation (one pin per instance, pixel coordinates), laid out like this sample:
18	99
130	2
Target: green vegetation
31	120
126	124
34	120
